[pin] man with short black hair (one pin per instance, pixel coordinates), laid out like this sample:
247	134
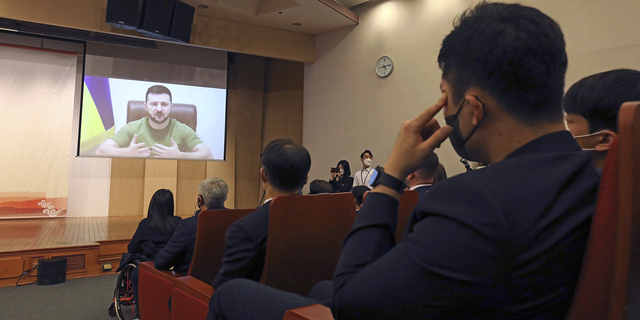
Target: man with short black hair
358	195
319	186
592	105
362	176
284	170
504	242
156	135
421	180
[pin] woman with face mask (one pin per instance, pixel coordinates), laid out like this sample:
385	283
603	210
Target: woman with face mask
342	180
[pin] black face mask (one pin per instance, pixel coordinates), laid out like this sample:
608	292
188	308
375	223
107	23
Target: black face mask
457	141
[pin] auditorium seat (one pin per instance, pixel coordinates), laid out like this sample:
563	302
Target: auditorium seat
408	201
303	247
185	113
610	276
155	286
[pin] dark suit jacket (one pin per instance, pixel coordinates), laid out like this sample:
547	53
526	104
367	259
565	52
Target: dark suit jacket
504	242
148	241
245	247
342	185
178	253
422	191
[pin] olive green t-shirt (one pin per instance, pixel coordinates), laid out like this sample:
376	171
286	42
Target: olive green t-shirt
182	134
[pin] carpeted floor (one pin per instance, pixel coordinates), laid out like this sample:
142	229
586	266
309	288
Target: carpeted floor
84	299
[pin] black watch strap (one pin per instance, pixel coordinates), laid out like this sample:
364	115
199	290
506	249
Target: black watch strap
388	180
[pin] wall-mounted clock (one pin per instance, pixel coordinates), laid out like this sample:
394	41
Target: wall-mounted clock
384	66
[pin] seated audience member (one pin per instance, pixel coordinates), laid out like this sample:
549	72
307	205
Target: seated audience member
212	193
320	186
358	194
441	175
421	180
152	234
285	166
592	105
504	242
342	181
363	176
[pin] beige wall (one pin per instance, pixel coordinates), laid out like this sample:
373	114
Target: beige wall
347	108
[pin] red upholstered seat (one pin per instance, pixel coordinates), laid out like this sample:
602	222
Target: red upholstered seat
155	287
303	248
408	201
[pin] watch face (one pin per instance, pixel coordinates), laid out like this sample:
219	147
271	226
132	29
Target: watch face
374	174
384	66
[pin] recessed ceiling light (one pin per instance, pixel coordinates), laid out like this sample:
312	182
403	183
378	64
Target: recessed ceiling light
203	6
297	24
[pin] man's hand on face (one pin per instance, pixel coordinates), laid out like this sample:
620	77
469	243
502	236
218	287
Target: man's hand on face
161	151
416	140
137	149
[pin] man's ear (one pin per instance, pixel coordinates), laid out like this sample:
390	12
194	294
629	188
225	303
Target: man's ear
411	176
605	142
478	110
263	175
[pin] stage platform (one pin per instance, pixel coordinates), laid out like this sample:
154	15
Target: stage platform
90	244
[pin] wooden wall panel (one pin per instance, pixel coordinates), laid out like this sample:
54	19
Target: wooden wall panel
248	96
158	174
207	31
190	174
295	91
127	187
252	39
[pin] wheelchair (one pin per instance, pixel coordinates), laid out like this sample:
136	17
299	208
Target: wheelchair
124	305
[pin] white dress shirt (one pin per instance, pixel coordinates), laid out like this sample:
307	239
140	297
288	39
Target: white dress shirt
362	177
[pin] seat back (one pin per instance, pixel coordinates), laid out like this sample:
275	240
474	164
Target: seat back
408	201
591	299
185	113
626	283
610	275
209	248
305	239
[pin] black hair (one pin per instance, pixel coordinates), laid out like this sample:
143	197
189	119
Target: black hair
158	89
366	151
320	186
161	210
515	53
598	97
428	168
441	175
358	193
286	164
345	166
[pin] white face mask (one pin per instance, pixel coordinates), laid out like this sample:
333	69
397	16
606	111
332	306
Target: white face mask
341	172
586	136
368	162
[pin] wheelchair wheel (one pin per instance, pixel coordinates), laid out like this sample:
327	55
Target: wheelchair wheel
123	300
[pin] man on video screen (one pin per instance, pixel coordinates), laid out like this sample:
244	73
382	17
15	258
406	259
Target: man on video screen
157	135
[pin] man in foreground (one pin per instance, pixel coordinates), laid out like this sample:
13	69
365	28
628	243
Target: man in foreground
504	242
157	135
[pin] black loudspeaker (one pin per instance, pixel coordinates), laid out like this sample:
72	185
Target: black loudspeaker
52	271
124	14
182	21
156	18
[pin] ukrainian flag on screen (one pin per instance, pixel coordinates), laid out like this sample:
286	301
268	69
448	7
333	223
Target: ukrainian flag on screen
97	123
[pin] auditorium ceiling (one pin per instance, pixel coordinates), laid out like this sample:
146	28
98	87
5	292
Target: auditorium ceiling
304	16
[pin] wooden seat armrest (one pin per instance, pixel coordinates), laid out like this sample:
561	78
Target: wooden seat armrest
150	267
194	287
312	312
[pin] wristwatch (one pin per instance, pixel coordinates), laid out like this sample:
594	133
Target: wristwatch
388	180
